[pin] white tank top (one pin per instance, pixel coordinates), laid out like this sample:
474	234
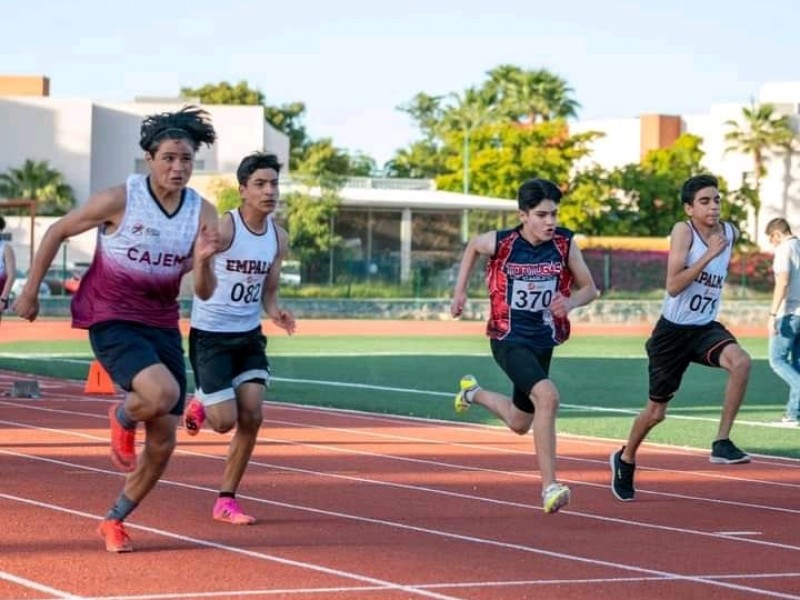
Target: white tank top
241	270
136	271
699	303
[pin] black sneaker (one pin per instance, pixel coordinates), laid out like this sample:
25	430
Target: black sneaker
725	452
621	476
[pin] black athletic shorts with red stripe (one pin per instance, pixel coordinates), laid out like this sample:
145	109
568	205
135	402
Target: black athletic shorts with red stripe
672	348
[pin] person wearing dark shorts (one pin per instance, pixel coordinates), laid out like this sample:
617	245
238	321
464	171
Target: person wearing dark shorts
687	331
524	366
222	361
126	348
226	346
536	275
151	231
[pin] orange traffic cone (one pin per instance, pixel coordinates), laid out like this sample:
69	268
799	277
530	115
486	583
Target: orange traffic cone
98	381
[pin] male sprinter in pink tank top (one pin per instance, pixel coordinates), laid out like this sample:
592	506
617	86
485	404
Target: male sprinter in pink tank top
151	230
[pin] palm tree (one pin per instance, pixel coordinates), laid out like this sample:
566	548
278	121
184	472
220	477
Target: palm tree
426	110
36	180
469	111
531	96
557	96
760	131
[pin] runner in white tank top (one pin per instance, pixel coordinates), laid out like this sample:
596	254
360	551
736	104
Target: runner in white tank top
151	230
241	269
699	302
226	345
687	332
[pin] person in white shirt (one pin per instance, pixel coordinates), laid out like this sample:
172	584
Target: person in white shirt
226	345
783	323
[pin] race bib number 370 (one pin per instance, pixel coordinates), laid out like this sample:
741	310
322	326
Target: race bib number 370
532	295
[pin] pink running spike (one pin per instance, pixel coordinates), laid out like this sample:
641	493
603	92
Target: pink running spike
194	416
227	510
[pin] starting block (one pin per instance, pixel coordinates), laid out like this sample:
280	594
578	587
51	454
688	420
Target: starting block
25	389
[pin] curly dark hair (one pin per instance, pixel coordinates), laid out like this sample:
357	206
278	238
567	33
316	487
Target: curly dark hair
190	123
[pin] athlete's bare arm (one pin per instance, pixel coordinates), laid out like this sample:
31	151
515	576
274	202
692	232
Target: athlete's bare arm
106	207
483	244
206	245
679	274
269	300
585	291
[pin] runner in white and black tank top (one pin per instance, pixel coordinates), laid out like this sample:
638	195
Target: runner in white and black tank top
227	348
687	331
699	303
241	269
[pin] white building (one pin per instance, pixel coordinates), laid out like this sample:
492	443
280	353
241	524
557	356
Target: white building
96	144
627	140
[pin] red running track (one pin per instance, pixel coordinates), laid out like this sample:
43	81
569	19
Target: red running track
354	506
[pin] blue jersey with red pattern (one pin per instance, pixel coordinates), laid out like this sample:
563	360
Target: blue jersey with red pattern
523	280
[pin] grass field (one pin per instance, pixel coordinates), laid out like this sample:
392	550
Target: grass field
603	382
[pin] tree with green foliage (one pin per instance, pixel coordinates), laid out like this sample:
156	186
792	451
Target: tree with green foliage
641	199
758	133
324	164
426	111
505	154
421	160
468	112
530	96
310	227
228	198
362	165
286	117
37	180
588	203
489	119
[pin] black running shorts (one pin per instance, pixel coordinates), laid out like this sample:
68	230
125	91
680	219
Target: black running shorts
671	348
125	349
222	361
524	366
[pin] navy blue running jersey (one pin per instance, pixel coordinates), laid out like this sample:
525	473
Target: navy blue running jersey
523	280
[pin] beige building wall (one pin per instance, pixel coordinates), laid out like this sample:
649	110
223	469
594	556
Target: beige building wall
96	145
626	140
56	130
